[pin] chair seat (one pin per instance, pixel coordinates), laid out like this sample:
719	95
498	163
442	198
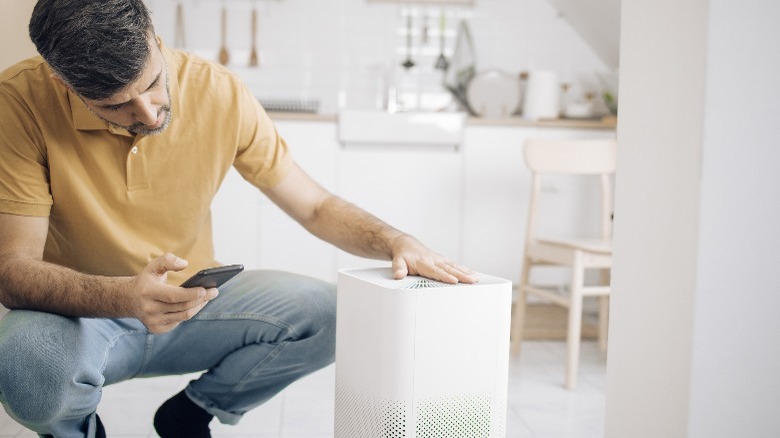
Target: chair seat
595	253
592	245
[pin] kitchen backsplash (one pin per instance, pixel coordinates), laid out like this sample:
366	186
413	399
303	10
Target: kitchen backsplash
349	53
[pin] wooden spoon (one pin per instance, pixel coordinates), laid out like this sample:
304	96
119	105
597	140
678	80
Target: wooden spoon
253	62
224	55
179	39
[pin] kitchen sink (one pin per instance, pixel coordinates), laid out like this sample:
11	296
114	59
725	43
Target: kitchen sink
356	126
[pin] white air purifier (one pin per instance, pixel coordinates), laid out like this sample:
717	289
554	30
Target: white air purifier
419	358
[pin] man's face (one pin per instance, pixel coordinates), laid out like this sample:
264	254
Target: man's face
143	107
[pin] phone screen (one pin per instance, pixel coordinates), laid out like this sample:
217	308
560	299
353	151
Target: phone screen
213	277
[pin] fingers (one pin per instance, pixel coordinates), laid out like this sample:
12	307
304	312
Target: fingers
460	272
166	316
203	297
412	258
438	269
400	270
177	297
165	263
162	307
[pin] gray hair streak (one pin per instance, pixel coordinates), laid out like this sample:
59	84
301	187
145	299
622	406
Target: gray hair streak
98	47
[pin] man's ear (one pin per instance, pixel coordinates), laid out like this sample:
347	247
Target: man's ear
60	81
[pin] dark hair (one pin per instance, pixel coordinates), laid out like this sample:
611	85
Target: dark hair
98	47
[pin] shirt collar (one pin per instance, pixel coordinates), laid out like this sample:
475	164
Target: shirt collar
83	118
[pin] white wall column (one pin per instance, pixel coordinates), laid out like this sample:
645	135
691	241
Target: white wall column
694	348
15	43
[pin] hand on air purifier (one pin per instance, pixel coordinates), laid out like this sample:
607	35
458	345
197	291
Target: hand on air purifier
410	257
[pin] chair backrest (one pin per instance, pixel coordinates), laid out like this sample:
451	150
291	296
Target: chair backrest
591	156
597	157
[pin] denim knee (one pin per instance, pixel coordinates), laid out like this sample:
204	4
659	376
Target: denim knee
40	373
319	308
314	316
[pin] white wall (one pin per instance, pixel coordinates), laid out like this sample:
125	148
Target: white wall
694	346
598	23
735	387
14	42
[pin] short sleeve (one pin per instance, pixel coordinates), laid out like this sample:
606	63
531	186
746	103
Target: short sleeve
24	175
263	157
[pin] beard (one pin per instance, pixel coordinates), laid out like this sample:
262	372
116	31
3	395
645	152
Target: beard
140	128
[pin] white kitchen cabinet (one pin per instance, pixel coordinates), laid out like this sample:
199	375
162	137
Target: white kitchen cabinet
234	215
417	189
283	243
496	196
250	229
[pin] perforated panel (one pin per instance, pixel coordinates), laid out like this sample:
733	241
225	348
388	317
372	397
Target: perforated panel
424	283
359	415
454	417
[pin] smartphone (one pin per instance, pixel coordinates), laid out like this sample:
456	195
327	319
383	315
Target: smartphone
213	277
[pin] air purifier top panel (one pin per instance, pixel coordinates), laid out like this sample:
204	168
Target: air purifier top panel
383	277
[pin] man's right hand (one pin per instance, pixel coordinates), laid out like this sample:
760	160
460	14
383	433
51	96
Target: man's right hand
160	306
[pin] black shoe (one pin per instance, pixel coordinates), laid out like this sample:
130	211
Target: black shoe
179	417
100	431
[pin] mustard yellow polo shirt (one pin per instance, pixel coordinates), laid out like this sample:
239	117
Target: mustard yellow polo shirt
115	200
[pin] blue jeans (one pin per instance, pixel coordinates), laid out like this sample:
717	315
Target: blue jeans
265	330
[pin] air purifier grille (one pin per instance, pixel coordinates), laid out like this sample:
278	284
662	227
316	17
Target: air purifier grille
454	416
424	283
360	415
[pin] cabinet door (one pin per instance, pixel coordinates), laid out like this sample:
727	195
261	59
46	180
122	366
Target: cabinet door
413	188
283	243
496	188
234	216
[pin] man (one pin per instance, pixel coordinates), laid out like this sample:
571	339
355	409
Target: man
112	147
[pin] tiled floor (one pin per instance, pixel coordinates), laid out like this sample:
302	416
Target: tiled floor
539	406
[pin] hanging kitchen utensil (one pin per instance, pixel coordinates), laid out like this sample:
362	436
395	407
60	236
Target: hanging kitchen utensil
224	55
253	52
424	33
462	65
408	63
179	40
441	61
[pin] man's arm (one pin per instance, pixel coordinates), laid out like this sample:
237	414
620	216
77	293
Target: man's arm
27	282
353	229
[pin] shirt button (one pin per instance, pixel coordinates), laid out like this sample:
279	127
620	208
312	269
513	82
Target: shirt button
134	150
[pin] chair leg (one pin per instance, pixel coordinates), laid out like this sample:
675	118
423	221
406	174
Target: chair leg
606	279
603	322
574	331
518	315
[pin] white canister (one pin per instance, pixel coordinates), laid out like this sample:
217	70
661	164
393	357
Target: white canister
542	96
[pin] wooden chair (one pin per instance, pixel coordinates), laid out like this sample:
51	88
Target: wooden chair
568	157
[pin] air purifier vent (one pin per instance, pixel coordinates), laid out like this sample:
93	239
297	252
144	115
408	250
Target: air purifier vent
360	415
424	283
454	416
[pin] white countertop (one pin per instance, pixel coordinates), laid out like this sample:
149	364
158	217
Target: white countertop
603	123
